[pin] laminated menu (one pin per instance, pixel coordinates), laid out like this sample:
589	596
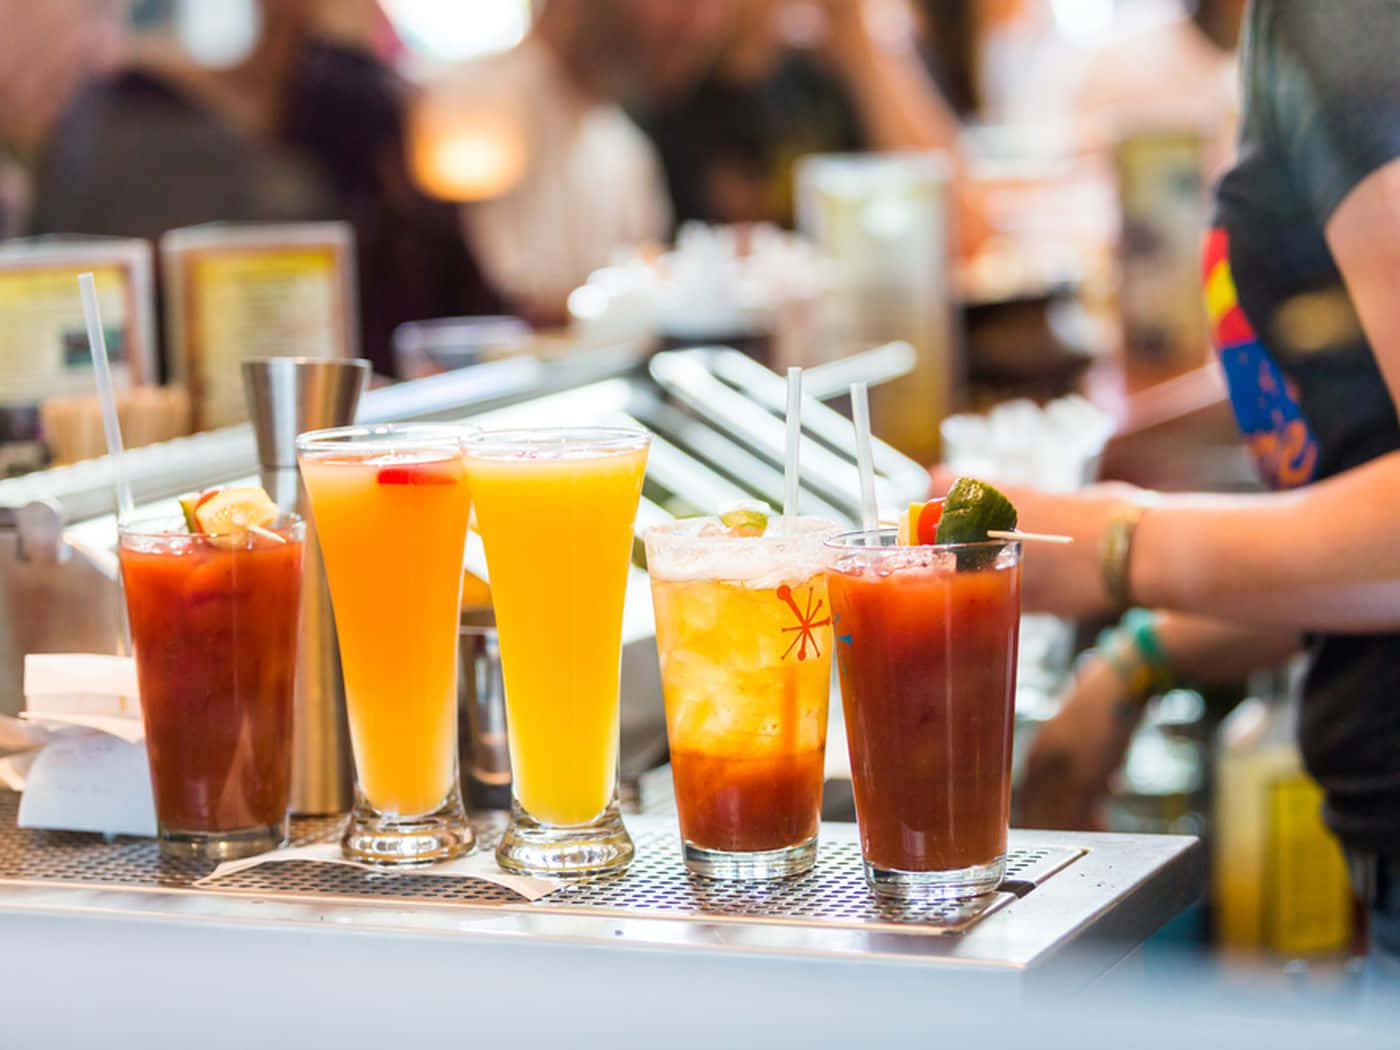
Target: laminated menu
239	291
43	344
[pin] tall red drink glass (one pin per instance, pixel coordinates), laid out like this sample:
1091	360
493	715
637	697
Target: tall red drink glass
214	626
926	649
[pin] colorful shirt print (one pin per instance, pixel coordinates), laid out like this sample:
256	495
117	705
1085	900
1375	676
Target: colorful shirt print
1265	401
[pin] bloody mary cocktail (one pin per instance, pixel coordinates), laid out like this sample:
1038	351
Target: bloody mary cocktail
743	631
214	625
926	650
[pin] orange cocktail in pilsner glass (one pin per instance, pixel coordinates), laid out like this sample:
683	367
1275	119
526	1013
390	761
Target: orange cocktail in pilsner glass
391	506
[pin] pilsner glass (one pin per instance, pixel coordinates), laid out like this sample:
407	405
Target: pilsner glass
926	650
214	625
743	632
391	507
556	508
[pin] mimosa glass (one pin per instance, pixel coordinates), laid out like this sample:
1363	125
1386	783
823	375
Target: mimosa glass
556	508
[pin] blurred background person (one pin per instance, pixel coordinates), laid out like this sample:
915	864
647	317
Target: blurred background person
1299	270
47	50
833	76
307	125
1188	46
554	175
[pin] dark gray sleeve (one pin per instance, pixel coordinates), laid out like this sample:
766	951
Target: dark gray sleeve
1330	71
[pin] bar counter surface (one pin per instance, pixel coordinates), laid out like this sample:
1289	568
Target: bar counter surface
112	919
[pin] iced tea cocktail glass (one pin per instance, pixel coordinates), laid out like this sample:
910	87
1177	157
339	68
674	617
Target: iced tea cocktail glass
214	625
743	631
926	651
556	508
391	505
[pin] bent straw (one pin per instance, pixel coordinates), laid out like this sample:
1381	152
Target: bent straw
791	477
865	461
102	370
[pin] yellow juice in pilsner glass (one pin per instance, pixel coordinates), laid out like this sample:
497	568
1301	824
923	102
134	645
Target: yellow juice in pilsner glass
557	527
392	527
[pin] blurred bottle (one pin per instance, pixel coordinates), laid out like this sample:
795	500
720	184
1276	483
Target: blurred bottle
1165	207
1280	880
883	220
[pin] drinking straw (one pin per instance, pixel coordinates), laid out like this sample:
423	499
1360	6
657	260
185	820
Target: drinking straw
865	461
791	485
102	369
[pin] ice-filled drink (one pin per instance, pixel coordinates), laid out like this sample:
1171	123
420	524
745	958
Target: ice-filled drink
214	626
743	631
926	650
391	508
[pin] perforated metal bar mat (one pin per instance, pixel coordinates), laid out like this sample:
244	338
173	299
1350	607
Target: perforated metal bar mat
656	885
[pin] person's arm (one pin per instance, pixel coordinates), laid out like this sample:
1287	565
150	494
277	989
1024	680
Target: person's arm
1076	753
899	105
1320	558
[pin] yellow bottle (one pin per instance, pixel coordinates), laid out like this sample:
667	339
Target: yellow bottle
1280	879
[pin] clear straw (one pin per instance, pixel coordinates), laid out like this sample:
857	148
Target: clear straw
102	369
865	461
791	476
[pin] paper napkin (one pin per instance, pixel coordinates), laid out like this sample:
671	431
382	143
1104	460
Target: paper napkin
479	865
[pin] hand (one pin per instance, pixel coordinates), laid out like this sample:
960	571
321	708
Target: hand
1074	755
1064	580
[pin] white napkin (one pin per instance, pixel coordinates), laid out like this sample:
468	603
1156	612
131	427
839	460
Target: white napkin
88	781
92	690
14	769
479	865
16	735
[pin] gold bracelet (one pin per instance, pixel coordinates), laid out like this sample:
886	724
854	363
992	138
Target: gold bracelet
1115	553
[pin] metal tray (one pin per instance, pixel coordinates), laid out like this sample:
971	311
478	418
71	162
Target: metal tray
657	884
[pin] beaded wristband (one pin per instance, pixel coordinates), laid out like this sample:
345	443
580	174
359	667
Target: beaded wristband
1134	651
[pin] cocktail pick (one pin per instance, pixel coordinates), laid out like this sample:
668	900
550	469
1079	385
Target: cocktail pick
102	370
865	461
792	486
1028	537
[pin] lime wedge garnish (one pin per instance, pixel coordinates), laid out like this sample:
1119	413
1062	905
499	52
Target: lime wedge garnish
187	505
971	510
744	521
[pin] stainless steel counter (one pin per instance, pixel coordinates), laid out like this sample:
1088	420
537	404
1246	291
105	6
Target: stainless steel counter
1075	903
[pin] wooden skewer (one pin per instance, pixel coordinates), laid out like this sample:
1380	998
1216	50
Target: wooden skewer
1029	537
1002	534
266	534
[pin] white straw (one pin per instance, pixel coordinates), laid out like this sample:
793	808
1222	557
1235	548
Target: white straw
865	460
102	369
791	476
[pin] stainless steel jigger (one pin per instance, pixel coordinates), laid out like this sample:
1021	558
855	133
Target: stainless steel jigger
286	397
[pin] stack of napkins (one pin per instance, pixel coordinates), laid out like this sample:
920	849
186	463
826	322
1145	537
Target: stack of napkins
79	752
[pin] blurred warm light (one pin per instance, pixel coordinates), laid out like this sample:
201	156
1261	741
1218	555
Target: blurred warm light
466	153
1082	19
449	31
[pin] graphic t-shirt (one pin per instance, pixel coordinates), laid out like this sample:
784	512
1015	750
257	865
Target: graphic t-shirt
1321	112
